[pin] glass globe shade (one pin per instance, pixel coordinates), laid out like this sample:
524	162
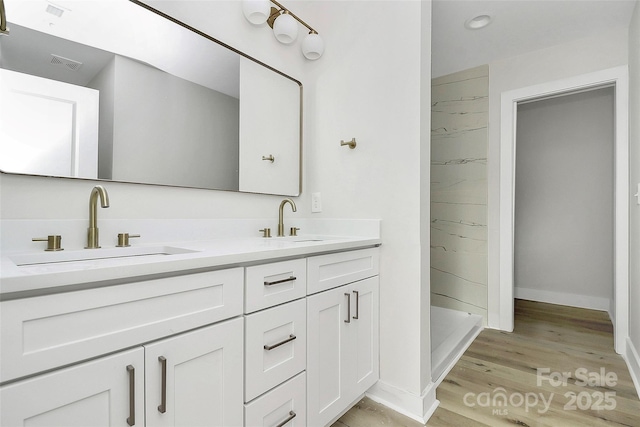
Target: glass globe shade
285	28
312	46
256	11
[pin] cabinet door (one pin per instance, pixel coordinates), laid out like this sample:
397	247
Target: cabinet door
104	392
195	379
327	314
364	334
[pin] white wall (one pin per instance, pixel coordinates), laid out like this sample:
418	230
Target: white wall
634	167
564	199
600	52
375	86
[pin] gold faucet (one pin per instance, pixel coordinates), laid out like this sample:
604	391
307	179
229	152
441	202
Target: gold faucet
280	215
93	241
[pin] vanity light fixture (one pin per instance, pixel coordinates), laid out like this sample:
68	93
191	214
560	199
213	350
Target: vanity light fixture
284	25
477	22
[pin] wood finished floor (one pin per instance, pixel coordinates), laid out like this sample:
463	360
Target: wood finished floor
562	339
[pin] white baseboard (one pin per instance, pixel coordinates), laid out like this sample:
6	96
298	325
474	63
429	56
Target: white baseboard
419	408
633	363
561	298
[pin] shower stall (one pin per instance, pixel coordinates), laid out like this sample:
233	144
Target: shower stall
459	123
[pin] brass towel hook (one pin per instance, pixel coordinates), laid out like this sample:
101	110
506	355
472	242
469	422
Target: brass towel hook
351	144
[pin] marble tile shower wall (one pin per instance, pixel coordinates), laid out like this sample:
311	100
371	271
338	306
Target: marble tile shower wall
459	120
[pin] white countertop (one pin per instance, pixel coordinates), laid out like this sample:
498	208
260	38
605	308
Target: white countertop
43	277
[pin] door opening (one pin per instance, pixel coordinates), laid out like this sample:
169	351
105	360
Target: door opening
501	293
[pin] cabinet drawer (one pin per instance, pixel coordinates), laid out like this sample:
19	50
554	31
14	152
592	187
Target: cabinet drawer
275	346
286	402
276	283
45	332
333	270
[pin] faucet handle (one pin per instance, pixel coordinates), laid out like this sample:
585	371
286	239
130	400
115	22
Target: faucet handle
123	239
266	232
54	242
294	231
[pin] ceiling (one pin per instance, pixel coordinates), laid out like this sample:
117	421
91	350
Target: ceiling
518	26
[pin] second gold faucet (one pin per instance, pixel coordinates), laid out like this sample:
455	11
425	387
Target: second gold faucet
281	215
93	238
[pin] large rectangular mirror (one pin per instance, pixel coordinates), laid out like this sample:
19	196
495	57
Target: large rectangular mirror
115	90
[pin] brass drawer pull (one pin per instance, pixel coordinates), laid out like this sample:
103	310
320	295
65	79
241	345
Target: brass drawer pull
277	282
348	295
132	395
271	347
357	304
291	416
163	403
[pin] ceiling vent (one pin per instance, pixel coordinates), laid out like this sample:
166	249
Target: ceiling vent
54	10
67	63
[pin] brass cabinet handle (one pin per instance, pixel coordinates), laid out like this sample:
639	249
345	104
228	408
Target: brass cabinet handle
291	416
163	403
277	282
357	304
348	307
269	158
132	395
271	347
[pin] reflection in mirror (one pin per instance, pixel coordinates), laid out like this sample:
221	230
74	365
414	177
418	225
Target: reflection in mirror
151	102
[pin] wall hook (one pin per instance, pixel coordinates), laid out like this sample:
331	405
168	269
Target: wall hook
351	144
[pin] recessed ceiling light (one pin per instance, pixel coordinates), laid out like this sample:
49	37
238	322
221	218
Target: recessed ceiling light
478	22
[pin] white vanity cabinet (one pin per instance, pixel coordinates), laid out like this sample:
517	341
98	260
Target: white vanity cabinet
292	342
192	379
178	356
342	325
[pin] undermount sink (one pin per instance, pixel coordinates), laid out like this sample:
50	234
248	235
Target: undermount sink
44	258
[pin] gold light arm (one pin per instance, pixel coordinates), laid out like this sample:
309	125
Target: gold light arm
282	8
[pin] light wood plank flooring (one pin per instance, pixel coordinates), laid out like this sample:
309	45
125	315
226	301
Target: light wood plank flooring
562	339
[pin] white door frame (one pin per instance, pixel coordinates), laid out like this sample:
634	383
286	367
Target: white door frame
618	78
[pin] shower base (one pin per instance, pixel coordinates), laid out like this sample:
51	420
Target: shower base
452	332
